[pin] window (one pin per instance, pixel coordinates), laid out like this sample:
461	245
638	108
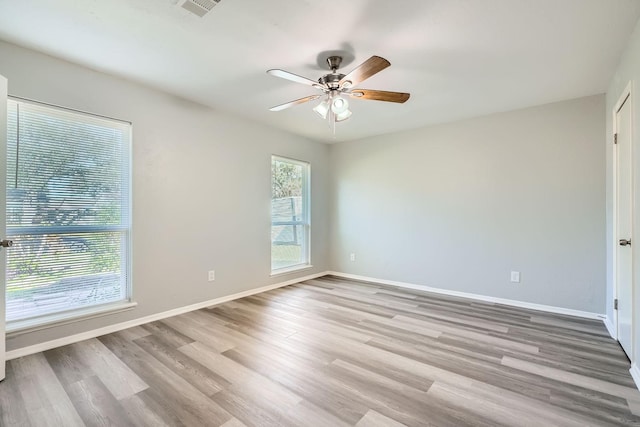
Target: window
67	211
289	214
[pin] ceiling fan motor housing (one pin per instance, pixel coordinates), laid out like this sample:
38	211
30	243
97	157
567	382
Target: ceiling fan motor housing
332	81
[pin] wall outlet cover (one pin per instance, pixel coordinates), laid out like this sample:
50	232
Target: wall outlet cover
515	276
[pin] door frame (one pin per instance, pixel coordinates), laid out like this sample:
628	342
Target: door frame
625	96
3	229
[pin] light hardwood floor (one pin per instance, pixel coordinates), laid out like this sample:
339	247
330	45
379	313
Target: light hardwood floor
332	352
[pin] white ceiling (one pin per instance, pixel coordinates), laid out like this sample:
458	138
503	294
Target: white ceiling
458	58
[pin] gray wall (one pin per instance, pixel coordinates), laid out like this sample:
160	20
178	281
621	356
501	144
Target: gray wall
455	206
201	187
628	70
458	206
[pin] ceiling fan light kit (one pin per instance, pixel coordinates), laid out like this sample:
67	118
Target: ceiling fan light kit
336	87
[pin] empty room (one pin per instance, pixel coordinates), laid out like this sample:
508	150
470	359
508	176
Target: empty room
319	213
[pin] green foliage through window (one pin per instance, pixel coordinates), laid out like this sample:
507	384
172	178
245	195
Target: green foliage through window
67	210
289	213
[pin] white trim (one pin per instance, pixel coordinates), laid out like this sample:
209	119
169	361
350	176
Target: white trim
36	348
635	374
60	107
306	209
514	303
611	328
625	96
20	327
614	227
50	320
289	270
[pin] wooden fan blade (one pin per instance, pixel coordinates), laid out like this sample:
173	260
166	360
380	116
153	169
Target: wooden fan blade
296	102
368	68
294	78
380	95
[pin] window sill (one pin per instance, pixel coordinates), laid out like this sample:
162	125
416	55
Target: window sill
289	270
20	327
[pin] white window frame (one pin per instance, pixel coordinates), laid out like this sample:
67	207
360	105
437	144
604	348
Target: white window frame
31	324
305	221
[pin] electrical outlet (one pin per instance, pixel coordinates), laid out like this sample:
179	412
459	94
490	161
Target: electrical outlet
352	256
515	276
212	275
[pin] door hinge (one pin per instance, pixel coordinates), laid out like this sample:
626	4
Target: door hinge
615	138
615	304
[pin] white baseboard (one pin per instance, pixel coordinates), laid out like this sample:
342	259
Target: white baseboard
635	374
484	298
48	345
24	351
610	327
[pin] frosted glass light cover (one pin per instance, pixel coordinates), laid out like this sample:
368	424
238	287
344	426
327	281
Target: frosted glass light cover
343	116
339	105
322	109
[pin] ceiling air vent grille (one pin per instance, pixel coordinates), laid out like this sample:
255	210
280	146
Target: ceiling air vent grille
199	7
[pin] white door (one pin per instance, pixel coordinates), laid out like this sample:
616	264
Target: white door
624	216
3	191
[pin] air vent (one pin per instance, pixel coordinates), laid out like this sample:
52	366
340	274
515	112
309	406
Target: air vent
199	7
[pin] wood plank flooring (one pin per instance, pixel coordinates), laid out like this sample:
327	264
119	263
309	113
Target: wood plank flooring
332	352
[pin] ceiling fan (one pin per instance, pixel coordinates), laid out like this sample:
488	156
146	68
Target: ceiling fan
337	87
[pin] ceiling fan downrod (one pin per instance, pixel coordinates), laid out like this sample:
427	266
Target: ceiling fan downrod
334	62
332	80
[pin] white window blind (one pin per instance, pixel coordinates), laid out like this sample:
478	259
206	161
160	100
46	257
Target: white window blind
67	210
290	219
